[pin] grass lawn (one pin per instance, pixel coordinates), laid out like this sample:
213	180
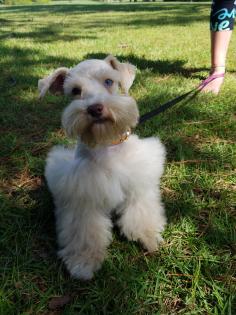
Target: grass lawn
194	271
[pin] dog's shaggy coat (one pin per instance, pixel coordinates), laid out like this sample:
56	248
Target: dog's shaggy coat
98	177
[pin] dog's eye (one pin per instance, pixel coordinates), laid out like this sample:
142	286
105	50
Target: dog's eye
76	91
108	82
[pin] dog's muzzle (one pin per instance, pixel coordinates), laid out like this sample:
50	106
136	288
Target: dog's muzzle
95	110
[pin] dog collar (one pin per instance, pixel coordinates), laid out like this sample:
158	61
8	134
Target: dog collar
123	137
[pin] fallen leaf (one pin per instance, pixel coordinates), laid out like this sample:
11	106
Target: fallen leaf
18	284
59	302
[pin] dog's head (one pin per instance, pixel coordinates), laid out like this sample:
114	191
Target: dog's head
99	113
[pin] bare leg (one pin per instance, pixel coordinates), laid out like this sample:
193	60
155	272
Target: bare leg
219	47
223	13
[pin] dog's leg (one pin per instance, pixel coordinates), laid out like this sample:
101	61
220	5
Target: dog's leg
143	220
84	232
83	239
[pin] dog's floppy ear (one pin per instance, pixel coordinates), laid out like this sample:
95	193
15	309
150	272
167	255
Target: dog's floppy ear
127	72
54	82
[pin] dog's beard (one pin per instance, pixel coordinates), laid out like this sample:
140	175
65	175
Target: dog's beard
109	129
121	113
102	133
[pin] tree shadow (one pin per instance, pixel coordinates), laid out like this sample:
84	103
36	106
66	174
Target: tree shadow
31	251
28	59
45	35
26	124
169	15
162	67
208	151
18	69
35	119
50	32
12	80
183	9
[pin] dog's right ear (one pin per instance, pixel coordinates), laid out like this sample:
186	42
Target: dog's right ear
54	82
126	70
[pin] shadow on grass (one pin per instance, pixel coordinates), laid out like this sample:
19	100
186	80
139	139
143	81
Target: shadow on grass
170	15
162	67
183	9
45	35
27	123
18	66
18	74
31	250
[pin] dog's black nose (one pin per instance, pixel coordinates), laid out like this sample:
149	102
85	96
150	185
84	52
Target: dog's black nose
95	110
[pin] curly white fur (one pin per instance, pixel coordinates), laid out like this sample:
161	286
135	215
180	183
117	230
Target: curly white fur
90	182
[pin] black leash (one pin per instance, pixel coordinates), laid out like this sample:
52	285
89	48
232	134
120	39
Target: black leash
167	105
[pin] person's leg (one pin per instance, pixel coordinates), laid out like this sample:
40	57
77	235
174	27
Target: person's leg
221	24
219	47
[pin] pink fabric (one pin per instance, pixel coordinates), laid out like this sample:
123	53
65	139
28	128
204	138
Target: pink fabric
210	79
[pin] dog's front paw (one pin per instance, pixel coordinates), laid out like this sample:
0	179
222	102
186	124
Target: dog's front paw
83	266
83	271
150	238
151	241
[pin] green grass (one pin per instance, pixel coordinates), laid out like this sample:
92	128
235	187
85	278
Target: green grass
194	271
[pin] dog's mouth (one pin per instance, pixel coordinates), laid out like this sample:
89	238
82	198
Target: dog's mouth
102	120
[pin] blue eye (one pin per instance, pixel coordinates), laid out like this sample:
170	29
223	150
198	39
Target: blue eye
108	82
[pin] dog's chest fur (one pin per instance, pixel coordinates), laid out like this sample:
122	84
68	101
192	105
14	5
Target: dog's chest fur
109	175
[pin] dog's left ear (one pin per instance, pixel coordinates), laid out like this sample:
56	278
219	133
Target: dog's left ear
127	72
54	82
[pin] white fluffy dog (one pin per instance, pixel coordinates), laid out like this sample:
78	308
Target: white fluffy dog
109	170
